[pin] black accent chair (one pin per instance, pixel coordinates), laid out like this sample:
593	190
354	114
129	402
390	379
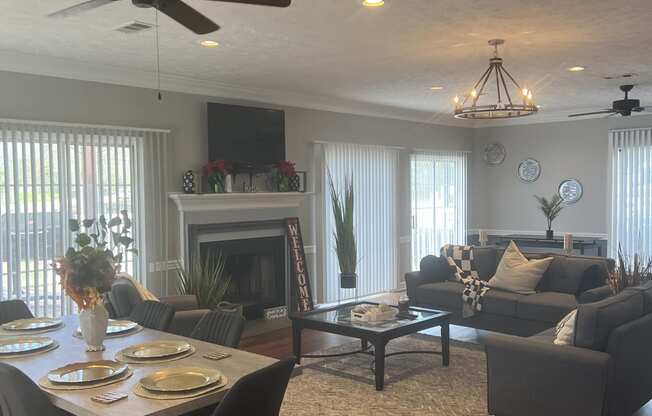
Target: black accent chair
219	327
153	315
20	396
10	310
260	393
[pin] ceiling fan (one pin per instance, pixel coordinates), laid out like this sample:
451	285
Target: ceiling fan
623	107
176	9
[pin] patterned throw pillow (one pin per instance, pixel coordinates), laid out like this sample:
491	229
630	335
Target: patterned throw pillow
462	258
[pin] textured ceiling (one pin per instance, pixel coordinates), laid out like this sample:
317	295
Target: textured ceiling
339	52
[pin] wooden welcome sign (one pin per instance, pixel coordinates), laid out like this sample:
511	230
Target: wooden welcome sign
299	266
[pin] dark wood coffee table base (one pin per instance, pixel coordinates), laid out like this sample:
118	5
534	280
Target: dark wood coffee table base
378	339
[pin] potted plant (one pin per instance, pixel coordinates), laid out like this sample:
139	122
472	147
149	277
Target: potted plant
207	280
551	209
630	271
88	269
216	173
345	245
283	175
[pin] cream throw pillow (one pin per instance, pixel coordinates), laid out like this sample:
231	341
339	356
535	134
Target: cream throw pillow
565	331
515	273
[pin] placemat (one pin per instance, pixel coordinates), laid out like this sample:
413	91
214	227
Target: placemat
45	383
51	347
143	392
120	357
77	333
6	333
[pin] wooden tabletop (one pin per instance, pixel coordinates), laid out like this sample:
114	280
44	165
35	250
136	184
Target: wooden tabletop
72	349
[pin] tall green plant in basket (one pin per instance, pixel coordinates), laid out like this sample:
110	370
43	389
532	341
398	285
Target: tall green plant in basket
345	243
207	280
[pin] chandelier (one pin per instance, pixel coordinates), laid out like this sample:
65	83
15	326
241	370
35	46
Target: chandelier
506	106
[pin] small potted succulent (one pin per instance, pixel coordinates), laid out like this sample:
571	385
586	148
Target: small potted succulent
88	269
217	173
283	176
550	209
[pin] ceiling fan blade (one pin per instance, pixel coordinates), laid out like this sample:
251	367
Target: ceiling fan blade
275	3
610	110
80	8
187	16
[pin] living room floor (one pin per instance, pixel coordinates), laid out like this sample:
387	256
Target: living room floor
278	343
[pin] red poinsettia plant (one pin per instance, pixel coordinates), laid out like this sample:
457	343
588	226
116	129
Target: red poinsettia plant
216	172
282	174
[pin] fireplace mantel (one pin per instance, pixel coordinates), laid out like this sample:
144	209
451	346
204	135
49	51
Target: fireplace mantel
237	201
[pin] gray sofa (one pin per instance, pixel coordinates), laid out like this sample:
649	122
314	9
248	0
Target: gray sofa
607	373
569	280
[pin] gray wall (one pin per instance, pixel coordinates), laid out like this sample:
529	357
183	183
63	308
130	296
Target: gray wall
53	99
573	149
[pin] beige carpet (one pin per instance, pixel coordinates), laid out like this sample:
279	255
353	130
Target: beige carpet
415	384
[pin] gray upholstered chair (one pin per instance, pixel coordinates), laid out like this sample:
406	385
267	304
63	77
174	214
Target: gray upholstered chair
153	315
124	297
10	310
219	327
20	396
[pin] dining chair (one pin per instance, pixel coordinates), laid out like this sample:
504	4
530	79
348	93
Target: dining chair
153	315
10	310
260	393
219	327
20	396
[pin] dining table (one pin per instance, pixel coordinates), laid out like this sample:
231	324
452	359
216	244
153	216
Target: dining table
72	349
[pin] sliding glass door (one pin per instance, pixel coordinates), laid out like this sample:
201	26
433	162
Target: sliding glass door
438	201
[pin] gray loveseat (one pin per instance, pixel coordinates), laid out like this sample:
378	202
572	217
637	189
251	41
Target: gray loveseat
569	280
608	371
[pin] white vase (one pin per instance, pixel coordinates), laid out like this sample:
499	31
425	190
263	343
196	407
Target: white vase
93	324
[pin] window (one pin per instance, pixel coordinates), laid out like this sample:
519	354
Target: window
49	174
438	200
374	170
631	191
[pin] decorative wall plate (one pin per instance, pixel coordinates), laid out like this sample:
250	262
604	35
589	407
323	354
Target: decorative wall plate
529	170
494	154
570	190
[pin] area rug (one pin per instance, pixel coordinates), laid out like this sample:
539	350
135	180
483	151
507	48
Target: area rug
415	384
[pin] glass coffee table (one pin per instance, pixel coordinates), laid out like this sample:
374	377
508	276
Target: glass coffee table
337	320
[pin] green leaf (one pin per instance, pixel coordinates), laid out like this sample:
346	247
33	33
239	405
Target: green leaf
83	240
73	225
70	252
88	223
103	221
116	238
126	241
114	221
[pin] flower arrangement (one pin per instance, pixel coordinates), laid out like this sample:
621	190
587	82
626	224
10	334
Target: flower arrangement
282	174
88	269
215	172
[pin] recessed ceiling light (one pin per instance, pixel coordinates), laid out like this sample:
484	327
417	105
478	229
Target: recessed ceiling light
209	44
436	88
373	3
576	68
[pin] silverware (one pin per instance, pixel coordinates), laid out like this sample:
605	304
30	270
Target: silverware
19	345
215	356
156	349
181	379
89	372
31	324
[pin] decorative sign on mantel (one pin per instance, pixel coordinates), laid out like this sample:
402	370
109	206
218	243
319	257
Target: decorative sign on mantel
299	266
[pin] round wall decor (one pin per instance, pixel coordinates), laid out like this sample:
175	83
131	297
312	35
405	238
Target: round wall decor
529	170
570	191
494	154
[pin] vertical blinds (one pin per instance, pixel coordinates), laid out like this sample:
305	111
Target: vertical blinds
374	170
438	200
50	173
631	191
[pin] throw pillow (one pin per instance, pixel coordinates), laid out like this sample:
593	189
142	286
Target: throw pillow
435	269
594	276
565	330
515	273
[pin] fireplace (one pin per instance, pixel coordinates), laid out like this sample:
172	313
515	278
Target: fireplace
255	255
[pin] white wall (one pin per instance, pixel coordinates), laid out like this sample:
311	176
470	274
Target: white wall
41	98
573	149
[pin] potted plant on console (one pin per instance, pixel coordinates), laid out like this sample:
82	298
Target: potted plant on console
551	209
345	245
216	173
88	269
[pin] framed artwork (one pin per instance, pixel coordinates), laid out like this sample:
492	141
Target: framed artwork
529	170
570	191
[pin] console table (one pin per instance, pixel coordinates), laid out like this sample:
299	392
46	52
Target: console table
525	240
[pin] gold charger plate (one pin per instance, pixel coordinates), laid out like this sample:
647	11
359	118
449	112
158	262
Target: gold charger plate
89	372
119	356
156	349
25	344
45	383
176	380
31	324
140	391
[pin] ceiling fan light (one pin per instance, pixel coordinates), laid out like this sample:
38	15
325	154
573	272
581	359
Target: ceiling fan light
373	3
